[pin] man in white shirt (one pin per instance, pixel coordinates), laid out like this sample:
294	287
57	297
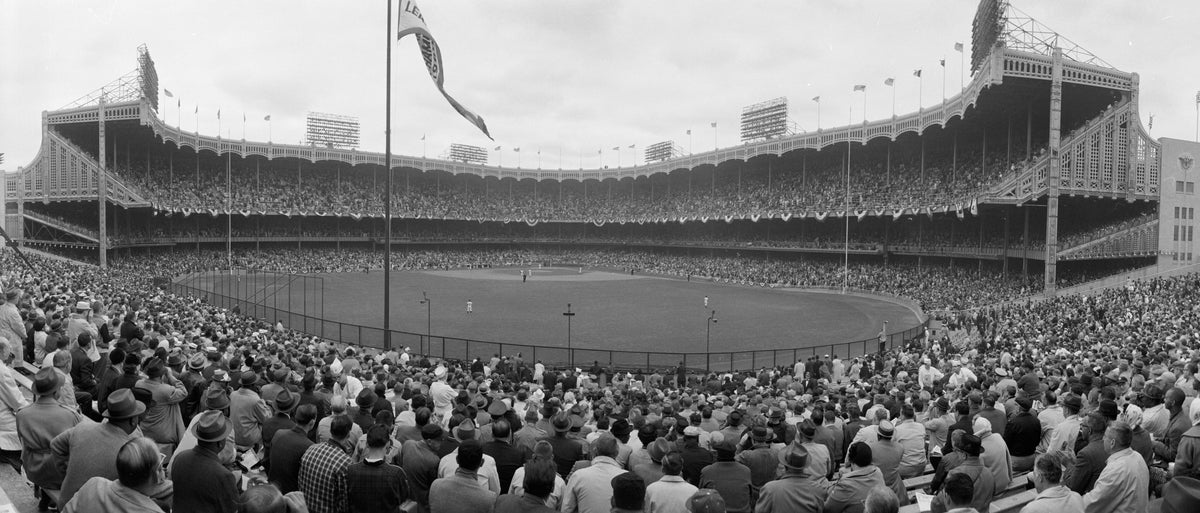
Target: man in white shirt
442	394
927	375
1123	483
589	489
960	375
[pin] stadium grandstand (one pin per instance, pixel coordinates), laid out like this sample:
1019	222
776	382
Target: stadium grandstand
1032	217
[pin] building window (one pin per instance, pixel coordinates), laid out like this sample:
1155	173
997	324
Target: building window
1191	187
1175	233
1176	212
1178	185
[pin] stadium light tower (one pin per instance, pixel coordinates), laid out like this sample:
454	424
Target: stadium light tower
570	353
428	320
712	319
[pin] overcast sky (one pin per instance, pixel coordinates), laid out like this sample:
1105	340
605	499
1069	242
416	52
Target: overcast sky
565	77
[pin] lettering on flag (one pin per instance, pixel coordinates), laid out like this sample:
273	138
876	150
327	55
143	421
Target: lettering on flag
410	21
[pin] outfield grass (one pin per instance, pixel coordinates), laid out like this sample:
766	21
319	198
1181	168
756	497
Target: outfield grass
614	312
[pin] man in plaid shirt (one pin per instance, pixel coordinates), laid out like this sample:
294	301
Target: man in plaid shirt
323	470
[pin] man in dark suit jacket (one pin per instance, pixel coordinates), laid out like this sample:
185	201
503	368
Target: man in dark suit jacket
508	457
202	483
1089	461
288	446
83	373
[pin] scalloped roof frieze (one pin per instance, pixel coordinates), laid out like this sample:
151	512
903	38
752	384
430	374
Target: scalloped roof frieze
1004	62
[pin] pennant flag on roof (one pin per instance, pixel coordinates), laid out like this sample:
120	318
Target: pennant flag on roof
411	21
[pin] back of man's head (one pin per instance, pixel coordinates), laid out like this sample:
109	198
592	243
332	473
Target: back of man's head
606	445
339	427
672	464
470	455
539	478
305	413
881	499
959	489
263	498
378	436
860	454
137	461
501	429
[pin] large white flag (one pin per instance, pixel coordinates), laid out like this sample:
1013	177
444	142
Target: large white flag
410	21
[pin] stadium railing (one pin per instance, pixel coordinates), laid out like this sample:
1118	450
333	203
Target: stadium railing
455	348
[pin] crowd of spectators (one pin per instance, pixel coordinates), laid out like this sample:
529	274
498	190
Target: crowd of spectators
944	180
146	401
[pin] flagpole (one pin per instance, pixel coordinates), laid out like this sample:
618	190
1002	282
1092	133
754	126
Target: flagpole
387	202
943	80
846	205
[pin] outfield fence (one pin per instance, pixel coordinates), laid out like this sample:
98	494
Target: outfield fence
262	295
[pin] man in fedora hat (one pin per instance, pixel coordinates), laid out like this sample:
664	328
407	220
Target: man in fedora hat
567	450
796	491
984	484
202	482
214	400
761	457
89	450
163	421
194	383
887	454
247	411
37	425
284	403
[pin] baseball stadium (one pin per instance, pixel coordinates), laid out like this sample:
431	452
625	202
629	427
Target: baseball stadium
1037	179
1026	226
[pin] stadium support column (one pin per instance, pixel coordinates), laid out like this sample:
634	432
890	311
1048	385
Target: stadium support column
102	190
1007	216
1052	177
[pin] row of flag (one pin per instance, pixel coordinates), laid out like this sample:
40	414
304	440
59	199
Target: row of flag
178	103
890	82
